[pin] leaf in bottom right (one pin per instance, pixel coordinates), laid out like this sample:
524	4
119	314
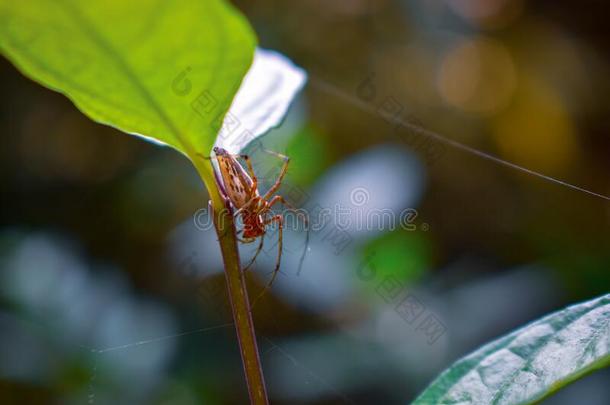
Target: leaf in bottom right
530	363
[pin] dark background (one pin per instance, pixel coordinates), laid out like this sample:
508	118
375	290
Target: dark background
98	248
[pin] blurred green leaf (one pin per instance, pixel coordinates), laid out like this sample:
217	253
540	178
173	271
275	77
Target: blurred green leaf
401	255
530	363
165	69
309	155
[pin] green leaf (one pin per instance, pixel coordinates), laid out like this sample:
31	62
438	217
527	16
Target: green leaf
404	255
530	363
167	70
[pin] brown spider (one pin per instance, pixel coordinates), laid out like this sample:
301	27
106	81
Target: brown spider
240	186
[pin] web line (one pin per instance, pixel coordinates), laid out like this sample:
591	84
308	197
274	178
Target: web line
337	92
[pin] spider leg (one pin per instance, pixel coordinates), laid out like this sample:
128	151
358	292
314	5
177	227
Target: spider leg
280	177
280	199
248	203
280	222
258	250
254	186
250	240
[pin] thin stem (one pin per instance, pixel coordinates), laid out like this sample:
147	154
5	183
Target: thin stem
236	285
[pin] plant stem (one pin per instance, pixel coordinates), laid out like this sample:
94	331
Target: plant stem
236	285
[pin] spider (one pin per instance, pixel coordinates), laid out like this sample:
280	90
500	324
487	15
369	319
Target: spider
240	185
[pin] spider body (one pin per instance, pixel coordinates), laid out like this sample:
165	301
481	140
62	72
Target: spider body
240	186
242	190
254	225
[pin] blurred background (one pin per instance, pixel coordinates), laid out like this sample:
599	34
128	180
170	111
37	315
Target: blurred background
110	292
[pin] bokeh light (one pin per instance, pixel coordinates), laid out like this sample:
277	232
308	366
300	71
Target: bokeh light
477	75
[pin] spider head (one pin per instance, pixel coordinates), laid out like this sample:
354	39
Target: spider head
220	151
